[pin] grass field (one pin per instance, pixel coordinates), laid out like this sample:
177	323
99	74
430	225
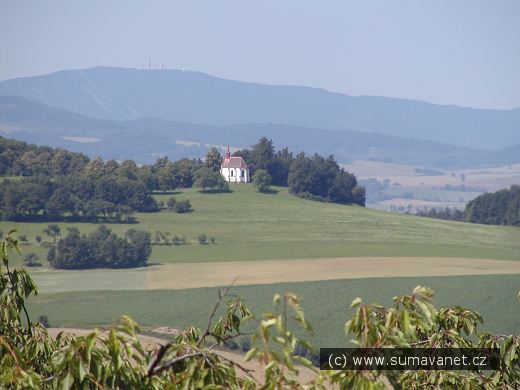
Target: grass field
326	302
380	248
248	225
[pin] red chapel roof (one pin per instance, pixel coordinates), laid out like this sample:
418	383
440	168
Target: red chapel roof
234	162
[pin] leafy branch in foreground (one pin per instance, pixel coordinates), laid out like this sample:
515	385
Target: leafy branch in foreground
117	359
413	321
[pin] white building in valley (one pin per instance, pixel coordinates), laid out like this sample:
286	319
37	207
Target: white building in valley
234	169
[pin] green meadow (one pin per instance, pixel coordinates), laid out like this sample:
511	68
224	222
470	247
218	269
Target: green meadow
248	225
326	303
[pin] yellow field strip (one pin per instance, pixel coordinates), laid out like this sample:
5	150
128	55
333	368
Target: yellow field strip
193	275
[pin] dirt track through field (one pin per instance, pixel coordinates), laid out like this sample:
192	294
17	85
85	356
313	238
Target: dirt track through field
193	275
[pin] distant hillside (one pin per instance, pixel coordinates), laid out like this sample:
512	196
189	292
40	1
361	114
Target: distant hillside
147	138
193	97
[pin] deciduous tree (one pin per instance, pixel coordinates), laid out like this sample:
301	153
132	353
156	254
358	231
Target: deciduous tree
262	180
213	159
208	180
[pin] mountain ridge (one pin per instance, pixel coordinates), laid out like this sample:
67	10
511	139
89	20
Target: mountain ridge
197	97
147	138
404	99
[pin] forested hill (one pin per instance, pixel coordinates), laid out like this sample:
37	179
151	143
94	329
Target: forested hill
498	208
122	94
62	185
22	159
147	138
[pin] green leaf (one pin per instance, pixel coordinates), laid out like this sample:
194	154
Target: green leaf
67	382
268	323
82	371
356	302
250	354
348	326
304	362
405	321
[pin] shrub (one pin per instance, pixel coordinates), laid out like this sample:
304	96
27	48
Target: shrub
52	231
178	240
166	238
203	239
210	181
161	238
182	206
170	204
31	260
157	237
262	180
38	239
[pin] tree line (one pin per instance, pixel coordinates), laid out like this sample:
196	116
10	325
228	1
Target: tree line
449	213
108	191
497	208
77	197
313	177
19	158
101	249
322	179
263	155
105	191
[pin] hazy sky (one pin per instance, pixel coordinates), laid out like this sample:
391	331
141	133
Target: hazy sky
450	52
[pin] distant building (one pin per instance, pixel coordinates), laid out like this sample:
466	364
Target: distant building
234	169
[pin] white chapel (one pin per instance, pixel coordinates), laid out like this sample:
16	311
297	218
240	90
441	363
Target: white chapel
234	169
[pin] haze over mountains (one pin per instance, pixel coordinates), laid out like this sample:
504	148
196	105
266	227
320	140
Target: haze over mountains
121	112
